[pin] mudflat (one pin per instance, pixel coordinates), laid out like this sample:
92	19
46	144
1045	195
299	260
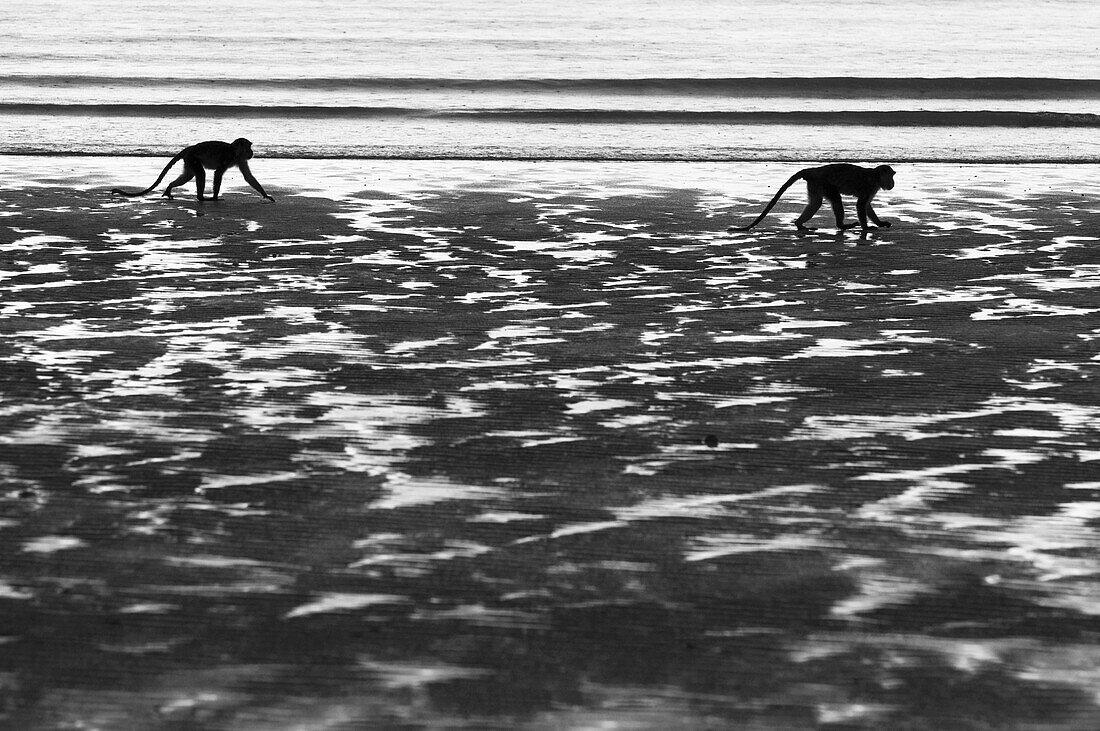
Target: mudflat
520	444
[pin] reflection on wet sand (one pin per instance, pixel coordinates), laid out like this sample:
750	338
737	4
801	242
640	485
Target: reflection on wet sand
429	447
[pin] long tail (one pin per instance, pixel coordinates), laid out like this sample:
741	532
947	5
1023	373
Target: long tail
163	172
794	178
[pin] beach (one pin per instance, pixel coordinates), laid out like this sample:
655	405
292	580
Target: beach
489	422
539	444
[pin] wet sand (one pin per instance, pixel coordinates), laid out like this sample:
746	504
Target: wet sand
540	445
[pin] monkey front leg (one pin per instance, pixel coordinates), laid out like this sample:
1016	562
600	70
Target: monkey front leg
200	182
251	180
878	221
218	173
838	213
865	212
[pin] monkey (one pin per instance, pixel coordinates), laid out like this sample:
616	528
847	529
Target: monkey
211	155
831	181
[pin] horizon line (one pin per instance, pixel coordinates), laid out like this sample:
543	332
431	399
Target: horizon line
910	160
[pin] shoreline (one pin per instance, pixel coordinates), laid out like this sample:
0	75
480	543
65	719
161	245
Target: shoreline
482	137
929	198
338	177
901	160
924	85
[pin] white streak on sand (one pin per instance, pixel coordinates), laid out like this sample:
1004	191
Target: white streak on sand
1022	307
731	544
841	348
341	602
52	544
590	405
406	491
662	508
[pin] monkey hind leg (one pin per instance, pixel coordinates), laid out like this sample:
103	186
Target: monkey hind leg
808	212
183	178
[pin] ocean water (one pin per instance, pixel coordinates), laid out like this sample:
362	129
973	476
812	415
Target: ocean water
1008	80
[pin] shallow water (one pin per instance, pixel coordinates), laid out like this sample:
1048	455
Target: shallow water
483	137
423	79
429	445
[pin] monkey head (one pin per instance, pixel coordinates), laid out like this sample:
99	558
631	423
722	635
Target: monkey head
242	148
885	177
